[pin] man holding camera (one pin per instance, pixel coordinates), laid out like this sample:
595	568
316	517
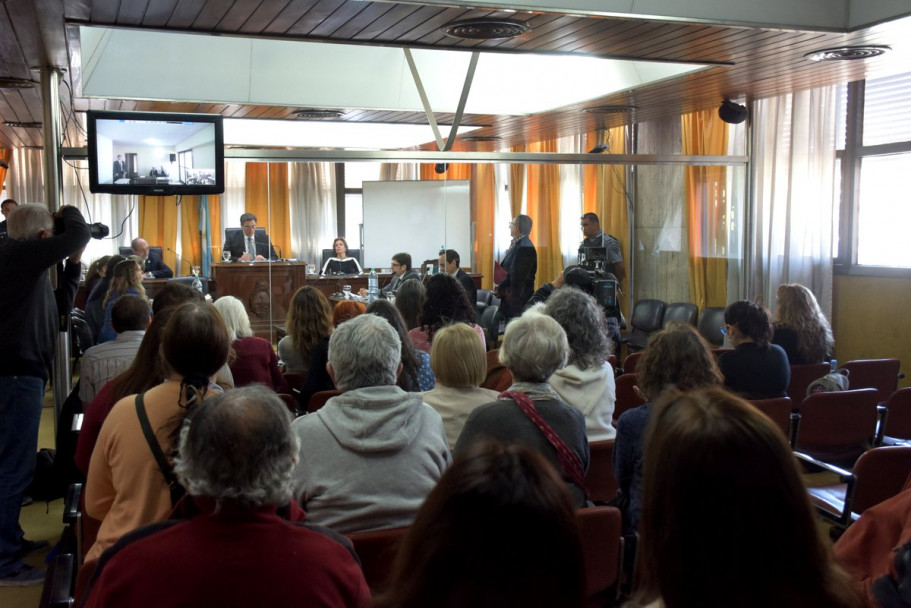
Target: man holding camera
29	323
596	238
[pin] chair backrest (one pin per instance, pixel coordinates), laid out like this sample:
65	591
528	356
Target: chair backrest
128	251
188	281
898	419
600	479
683	312
319	399
490	323
483	297
710	322
881	374
801	377
629	364
376	549
330	253
600	529
83	576
80	335
290	402
295	380
260	231
778	410
837	427
881	474
647	315
498	377
627	398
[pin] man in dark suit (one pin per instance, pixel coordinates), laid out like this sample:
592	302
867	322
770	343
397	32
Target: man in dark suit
248	245
521	265
6	207
152	265
119	168
449	263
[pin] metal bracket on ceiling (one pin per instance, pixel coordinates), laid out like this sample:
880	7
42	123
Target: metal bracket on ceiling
457	119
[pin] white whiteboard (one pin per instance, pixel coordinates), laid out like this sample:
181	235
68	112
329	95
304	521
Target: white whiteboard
416	217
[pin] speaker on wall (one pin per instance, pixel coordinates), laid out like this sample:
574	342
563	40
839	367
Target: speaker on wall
173	158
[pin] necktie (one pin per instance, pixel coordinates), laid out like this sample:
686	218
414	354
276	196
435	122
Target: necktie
251	246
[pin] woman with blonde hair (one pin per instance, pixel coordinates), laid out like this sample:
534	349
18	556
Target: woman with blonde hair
125	280
800	327
459	364
726	520
309	320
254	361
677	356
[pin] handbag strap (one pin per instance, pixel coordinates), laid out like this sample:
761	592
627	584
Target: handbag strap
153	442
567	458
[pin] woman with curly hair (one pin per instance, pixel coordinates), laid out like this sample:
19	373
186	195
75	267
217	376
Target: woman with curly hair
126	280
676	356
416	372
446	303
587	381
756	368
309	320
410	299
801	329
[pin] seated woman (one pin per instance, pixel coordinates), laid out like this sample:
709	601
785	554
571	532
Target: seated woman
416	372
96	272
725	516
498	530
309	320
317	377
345	310
127	279
801	329
341	263
677	356
410	299
756	368
459	364
587	381
534	347
254	359
125	487
446	303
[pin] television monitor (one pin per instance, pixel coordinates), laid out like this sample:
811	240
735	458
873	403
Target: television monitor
157	154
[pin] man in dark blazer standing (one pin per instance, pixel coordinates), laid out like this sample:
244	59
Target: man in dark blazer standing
450	264
119	168
248	245
521	265
152	265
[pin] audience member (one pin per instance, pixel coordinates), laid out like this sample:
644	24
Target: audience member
125	487
100	290
129	318
410	299
309	320
6	207
446	304
756	368
29	325
152	265
801	329
347	309
534	347
521	265
235	457
341	263
677	356
459	364
726	520
587	380
449	263
95	273
127	280
371	455
254	360
498	530
416	374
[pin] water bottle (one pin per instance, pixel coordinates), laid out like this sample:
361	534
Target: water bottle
197	284
833	366
372	283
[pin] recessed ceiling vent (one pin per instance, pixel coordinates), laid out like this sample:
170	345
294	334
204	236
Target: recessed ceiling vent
318	114
847	53
23	125
485	29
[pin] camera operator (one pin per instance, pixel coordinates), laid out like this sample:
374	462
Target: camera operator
596	239
28	333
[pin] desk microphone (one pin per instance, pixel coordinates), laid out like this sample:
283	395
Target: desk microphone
180	259
281	254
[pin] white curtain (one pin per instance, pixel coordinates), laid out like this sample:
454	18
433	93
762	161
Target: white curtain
25	179
313	209
793	202
233	201
570	200
399	172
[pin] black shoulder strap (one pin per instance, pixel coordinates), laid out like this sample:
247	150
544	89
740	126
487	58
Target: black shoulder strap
163	464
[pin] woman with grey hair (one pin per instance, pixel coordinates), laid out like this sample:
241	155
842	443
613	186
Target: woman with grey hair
531	412
254	361
587	381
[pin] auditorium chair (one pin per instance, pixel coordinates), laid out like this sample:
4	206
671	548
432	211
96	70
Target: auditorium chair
627	397
490	323
376	549
898	416
881	374
781	412
683	312
838	427
647	318
878	475
600	479
801	377
629	364
188	281
319	399
601	532
290	402
498	378
58	582
83	577
709	326
295	380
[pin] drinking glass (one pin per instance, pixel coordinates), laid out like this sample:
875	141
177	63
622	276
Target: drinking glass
311	269
226	255
346	289
195	271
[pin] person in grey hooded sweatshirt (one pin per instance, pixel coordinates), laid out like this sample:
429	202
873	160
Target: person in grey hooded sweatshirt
370	456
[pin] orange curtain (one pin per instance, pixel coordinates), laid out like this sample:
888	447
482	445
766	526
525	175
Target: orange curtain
158	224
483	195
265	181
5	155
216	234
706	203
543	207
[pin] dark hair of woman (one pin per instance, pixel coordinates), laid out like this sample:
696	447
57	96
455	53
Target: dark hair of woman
97	269
676	356
726	519
446	303
752	320
409	299
411	363
498	530
309	320
343	241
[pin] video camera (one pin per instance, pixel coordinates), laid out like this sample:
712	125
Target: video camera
598	283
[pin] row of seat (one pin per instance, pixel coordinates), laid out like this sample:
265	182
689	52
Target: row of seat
650	315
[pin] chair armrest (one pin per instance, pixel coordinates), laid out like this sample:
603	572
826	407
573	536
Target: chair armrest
882	415
846	477
843	474
58	583
71	503
793	428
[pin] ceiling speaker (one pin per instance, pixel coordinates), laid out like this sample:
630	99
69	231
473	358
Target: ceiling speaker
732	113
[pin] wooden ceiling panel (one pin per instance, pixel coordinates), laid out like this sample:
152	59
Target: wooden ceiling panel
104	11
132	12
285	20
264	13
237	16
158	13
185	14
320	11
344	14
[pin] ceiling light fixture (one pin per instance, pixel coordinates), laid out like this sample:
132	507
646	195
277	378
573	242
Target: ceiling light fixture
318	114
485	29
17	83
23	125
848	53
610	109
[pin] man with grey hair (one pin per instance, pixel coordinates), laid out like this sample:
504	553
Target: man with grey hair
370	456
521	265
235	457
152	265
534	347
29	324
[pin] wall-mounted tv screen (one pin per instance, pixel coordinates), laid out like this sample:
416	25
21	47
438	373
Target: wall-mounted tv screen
155	153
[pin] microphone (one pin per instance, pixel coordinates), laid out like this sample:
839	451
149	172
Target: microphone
180	259
281	254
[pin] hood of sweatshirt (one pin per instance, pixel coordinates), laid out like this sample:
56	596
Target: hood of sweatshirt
374	419
586	389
